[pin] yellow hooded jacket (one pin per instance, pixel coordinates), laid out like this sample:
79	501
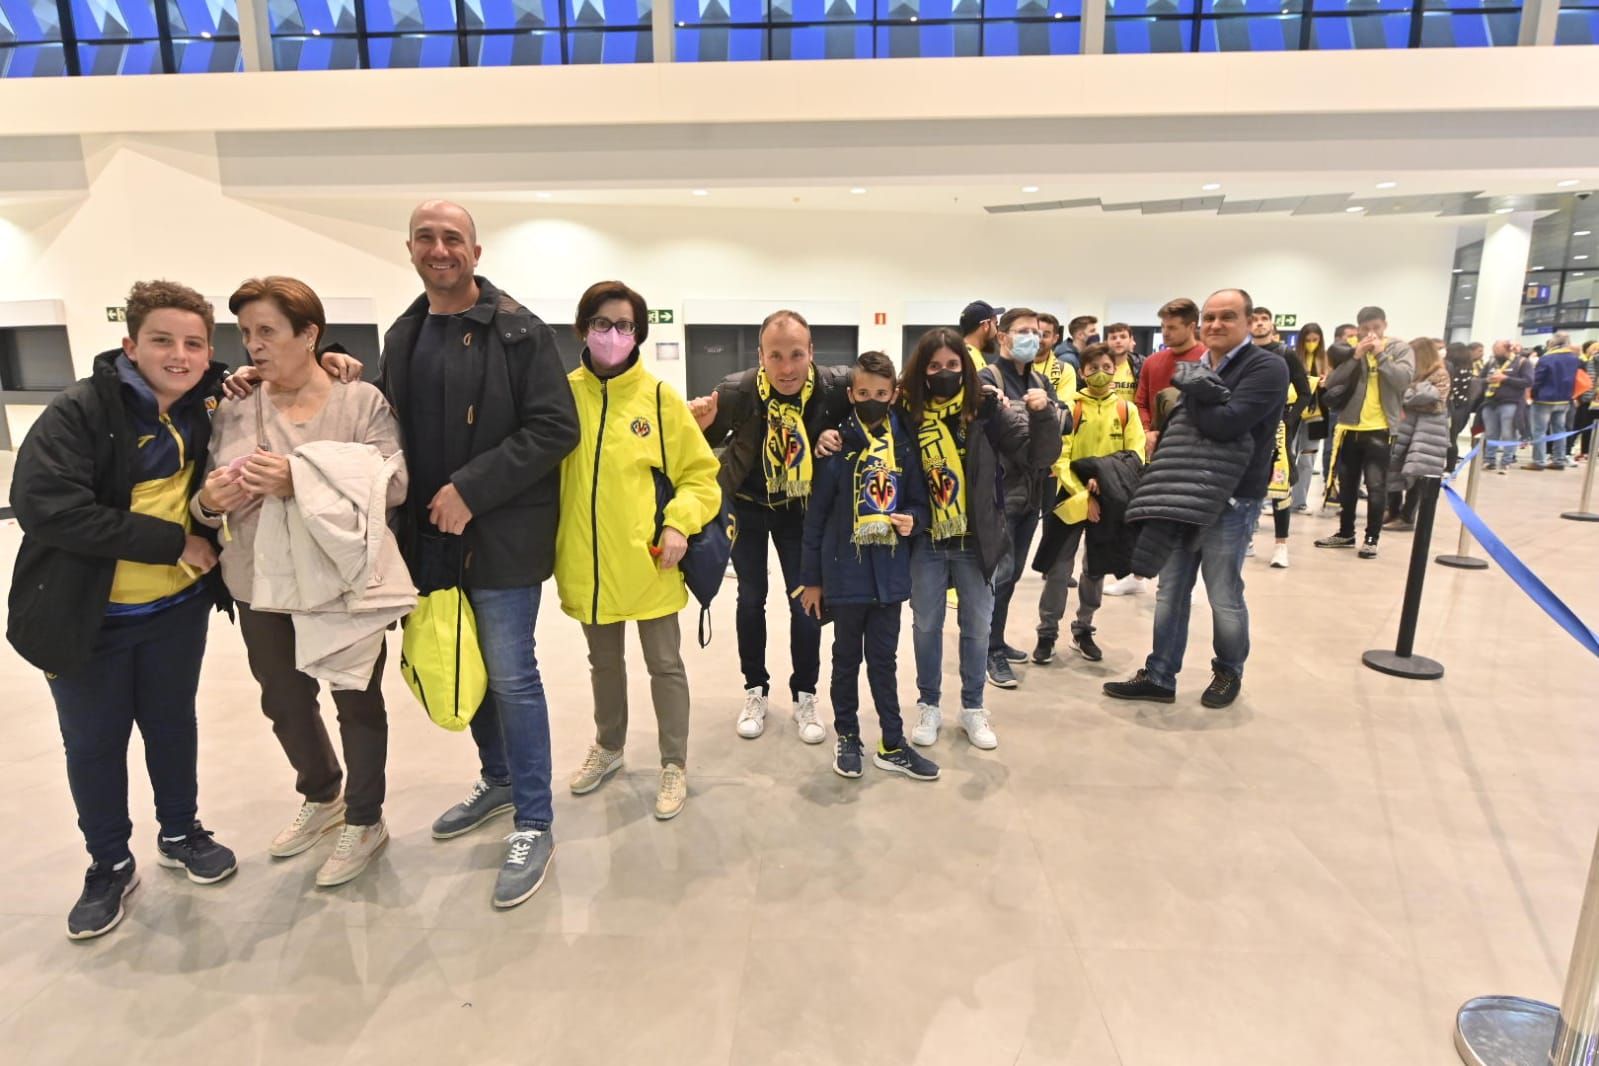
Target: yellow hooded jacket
603	566
1102	425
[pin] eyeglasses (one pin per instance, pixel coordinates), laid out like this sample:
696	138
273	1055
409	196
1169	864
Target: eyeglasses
625	326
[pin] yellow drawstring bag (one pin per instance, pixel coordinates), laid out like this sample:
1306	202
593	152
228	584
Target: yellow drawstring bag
440	658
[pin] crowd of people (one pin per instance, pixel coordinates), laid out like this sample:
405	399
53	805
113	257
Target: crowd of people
315	509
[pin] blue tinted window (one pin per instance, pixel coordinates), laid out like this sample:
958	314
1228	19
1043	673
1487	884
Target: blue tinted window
32	61
1578	23
29	20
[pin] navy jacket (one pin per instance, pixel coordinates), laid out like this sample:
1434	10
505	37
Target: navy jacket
1257	385
847	572
1556	377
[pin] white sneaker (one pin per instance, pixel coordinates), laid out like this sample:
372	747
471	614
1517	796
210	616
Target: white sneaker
929	718
752	719
358	846
811	730
1279	558
978	731
597	766
1130	585
308	827
1249	550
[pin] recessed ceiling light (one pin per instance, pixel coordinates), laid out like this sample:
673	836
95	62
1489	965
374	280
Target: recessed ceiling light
1029	188
1460	270
316	33
1503	210
1568	183
1357	209
702	192
1387	185
1211	187
1579	274
1538	268
1583	233
1579	258
858	191
1465	297
542	195
206	34
914	19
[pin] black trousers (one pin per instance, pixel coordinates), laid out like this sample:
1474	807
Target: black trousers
785	526
869	631
144	672
1365	454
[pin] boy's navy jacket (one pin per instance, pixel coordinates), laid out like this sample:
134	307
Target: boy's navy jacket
847	572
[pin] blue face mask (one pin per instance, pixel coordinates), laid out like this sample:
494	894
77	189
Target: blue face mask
1024	349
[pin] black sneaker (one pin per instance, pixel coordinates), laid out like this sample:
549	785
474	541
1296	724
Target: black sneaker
1337	540
1222	690
1368	550
1083	641
1013	654
1044	654
847	757
1000	675
1140	688
205	861
99	909
906	760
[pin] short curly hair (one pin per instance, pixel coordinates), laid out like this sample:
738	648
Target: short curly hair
148	296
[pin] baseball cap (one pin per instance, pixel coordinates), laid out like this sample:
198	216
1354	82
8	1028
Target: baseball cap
977	312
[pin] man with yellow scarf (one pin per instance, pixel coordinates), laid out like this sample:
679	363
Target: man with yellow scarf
775	420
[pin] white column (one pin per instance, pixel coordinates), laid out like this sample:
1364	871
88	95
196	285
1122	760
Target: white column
1538	22
1094	27
255	35
663	33
1496	301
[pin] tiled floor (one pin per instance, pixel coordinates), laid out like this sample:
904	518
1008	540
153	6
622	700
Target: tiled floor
1320	875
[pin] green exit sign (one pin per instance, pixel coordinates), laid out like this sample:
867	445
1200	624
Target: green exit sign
661	318
116	314
1287	322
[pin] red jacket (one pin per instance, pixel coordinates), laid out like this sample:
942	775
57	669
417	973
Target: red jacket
1157	374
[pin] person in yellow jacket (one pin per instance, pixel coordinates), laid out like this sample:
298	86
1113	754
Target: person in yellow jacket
1103	422
611	564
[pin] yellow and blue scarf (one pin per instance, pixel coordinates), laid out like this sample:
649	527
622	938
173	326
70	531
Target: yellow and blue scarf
876	487
786	456
942	464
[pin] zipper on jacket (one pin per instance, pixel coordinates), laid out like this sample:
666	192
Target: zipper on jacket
594	500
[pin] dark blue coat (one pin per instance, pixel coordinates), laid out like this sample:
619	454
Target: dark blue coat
847	572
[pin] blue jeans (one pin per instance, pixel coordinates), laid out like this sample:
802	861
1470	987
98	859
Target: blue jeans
934	568
1219	555
1499	423
1011	565
512	728
1549	418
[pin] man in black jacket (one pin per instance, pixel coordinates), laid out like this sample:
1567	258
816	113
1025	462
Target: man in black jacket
110	594
1249	406
486	416
774	420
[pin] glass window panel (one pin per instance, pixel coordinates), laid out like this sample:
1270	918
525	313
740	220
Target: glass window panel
1055	38
409	16
1577	27
112	20
512	15
315	53
1251	7
413	50
820	11
1470	5
33	61
1359	7
29	20
197	56
719	12
1266	33
1441	29
191	18
612	46
957	39
119	58
1140	36
1006	9
540	48
1150	7
715	45
624	13
822	42
927	10
304	16
1361	31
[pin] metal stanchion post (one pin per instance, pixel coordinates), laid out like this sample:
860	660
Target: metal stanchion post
1584	512
1402	662
1511	1031
1463	559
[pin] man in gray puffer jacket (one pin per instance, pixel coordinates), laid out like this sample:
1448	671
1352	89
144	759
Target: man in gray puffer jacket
1238	396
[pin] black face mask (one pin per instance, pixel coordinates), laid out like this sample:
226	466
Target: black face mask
944	383
871	412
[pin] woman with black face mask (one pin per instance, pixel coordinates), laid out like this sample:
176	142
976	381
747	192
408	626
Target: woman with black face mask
962	429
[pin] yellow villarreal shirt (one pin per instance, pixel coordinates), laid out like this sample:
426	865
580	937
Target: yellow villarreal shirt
1372	417
166	498
1102	425
977	357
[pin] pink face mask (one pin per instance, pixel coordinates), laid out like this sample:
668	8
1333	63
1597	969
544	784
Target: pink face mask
610	349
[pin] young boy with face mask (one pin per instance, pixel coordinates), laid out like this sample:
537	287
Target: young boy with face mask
1103	424
868	501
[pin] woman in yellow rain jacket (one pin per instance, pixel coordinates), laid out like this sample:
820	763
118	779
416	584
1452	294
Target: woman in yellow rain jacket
616	554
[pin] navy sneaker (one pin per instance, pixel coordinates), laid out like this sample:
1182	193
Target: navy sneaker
482	803
1013	654
906	760
1000	675
99	909
201	857
847	757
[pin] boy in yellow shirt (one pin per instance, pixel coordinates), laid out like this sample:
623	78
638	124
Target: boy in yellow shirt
1098	466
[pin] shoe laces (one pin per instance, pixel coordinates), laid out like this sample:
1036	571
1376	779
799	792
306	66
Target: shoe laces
978	717
805	711
752	706
196	839
673	781
521	843
348	838
303	819
596	761
480	788
930	716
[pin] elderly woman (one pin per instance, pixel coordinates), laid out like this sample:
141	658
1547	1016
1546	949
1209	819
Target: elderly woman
282	320
616	550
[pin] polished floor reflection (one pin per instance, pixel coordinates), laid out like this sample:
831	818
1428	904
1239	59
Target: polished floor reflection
1320	875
